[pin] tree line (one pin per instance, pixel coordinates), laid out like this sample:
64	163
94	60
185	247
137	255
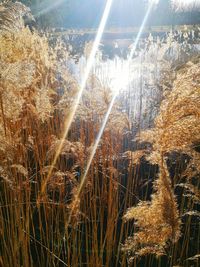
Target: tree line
87	13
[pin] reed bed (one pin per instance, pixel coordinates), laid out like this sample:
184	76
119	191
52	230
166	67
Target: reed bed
140	203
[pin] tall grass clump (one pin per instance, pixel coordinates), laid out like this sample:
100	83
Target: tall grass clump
30	125
36	95
176	130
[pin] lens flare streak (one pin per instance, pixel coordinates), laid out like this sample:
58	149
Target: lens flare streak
70	117
140	31
89	162
92	154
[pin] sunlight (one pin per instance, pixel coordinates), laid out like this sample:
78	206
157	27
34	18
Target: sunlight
122	73
89	162
121	79
89	65
152	3
117	77
99	133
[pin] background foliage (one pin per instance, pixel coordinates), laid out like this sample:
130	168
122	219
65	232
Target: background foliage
87	13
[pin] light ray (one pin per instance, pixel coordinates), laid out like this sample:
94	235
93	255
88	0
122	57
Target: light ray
92	154
141	30
70	117
154	2
91	157
49	7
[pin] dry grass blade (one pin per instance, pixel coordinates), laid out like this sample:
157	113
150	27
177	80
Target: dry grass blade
11	16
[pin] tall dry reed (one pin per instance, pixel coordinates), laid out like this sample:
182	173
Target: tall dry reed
36	93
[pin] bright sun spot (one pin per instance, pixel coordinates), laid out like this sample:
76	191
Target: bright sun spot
120	77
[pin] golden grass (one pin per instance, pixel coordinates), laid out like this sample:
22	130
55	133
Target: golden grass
36	93
176	129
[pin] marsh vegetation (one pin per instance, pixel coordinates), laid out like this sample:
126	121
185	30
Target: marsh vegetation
139	202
